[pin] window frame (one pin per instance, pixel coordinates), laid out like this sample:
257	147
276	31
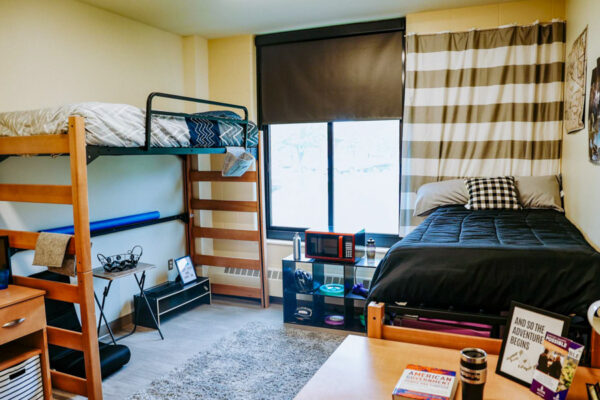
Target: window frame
395	24
286	232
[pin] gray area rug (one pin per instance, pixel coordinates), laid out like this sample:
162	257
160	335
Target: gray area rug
257	362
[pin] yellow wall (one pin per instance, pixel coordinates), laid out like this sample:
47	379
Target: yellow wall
63	51
488	16
232	71
581	178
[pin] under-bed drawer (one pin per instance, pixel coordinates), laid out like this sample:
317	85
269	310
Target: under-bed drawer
22	319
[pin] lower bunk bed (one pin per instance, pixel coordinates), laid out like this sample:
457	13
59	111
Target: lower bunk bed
468	266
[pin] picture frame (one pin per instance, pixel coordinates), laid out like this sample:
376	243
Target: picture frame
523	340
186	269
575	81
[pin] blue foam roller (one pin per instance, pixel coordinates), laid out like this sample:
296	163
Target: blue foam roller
109	223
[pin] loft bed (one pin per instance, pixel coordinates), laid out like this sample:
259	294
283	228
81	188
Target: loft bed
74	141
120	129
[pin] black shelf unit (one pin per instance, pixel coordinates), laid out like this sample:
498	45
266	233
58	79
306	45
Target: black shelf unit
169	298
350	305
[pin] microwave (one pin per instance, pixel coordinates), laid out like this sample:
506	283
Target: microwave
333	245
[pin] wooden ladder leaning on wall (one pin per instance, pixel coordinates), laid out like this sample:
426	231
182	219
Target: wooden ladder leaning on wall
82	293
199	232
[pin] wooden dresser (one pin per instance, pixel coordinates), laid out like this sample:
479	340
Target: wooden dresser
23	330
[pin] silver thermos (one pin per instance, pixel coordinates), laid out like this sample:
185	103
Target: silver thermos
297	241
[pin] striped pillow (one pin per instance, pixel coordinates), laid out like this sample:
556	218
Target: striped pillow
492	193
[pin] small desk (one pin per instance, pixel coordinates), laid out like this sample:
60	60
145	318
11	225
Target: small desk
364	368
101	273
23	330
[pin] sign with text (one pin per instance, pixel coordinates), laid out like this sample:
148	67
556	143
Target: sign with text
524	340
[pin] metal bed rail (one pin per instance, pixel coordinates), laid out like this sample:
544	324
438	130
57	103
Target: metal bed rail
150	112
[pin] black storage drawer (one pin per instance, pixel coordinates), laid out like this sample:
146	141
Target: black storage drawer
171	297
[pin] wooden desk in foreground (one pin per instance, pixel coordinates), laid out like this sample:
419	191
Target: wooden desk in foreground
364	368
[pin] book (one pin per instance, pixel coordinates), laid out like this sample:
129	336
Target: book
425	383
556	367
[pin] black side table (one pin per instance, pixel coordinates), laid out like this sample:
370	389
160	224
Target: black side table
110	277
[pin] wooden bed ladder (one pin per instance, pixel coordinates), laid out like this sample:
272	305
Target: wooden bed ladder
199	232
83	292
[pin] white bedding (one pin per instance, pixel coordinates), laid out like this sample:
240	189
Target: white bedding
106	124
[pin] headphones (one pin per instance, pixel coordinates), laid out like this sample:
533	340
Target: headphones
121	262
304	281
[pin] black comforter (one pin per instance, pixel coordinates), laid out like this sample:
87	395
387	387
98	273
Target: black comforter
481	260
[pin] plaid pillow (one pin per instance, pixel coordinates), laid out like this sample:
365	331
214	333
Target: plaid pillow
492	193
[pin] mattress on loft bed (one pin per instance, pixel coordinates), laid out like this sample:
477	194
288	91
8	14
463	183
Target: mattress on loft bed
122	125
481	260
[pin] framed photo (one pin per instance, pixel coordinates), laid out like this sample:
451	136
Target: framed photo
574	105
186	269
524	340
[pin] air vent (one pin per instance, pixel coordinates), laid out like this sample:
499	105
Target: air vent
273	274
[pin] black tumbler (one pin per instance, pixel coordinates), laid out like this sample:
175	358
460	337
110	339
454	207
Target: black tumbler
473	373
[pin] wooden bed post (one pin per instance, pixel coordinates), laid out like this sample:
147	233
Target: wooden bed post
262	252
81	223
188	194
375	316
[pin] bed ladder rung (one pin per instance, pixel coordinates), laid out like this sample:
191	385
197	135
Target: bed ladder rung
216	176
54	290
69	383
234	290
38	144
228	234
26	240
232	262
52	194
225	205
65	338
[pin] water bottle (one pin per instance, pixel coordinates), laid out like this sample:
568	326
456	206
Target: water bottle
297	241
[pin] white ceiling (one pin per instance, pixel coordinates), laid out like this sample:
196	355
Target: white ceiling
219	18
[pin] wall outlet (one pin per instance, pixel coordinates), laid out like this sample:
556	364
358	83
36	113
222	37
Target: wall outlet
171	264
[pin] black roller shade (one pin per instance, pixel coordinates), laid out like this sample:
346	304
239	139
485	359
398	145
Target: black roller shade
356	77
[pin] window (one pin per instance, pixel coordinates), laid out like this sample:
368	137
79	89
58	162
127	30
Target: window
298	181
330	103
323	174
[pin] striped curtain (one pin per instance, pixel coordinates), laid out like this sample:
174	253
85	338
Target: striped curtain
481	103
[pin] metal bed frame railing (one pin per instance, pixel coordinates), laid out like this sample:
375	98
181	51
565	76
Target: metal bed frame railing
150	112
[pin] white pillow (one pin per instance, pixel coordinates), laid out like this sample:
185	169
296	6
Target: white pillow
436	194
539	192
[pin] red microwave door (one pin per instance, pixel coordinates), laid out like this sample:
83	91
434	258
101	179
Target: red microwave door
322	245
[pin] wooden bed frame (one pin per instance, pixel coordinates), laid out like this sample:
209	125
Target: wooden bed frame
378	329
73	144
82	293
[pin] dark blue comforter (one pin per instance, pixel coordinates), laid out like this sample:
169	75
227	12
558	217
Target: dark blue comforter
482	260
